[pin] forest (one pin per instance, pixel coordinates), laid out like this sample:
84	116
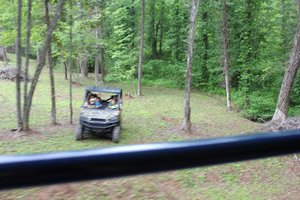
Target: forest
104	37
189	69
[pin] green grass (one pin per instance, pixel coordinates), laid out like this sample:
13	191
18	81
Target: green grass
155	117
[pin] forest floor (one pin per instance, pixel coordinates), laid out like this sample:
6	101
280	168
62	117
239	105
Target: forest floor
155	117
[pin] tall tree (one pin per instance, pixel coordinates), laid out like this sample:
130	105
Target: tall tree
152	30
97	78
50	65
41	63
70	62
139	91
102	64
27	54
19	65
226	55
186	126
283	101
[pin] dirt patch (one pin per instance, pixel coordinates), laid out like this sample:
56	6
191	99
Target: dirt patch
172	189
175	129
213	177
57	192
36	132
11	135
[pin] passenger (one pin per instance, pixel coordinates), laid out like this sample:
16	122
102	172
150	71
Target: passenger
98	103
113	104
91	101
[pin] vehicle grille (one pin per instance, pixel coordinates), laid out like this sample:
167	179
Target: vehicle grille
98	120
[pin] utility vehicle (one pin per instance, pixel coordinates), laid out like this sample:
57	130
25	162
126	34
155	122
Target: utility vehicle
101	113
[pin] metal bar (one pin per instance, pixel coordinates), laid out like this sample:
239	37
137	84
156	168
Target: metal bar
60	167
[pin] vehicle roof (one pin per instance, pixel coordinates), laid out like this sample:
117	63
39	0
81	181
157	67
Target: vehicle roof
106	89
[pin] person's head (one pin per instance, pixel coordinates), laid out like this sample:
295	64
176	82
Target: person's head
98	99
113	101
92	101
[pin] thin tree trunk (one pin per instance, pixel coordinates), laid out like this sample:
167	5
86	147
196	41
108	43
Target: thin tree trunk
70	64
27	55
226	56
19	65
152	30
281	112
83	64
41	63
5	55
97	79
139	91
204	74
186	126
102	65
50	65
38	55
66	70
161	27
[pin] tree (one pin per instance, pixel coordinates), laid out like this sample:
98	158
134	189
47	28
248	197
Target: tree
50	65
226	55
3	55
281	111
27	54
70	61
19	65
186	126
102	64
41	63
97	78
139	91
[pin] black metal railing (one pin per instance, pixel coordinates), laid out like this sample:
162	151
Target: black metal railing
60	167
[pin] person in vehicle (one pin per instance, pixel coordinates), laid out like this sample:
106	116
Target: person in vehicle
113	104
98	103
91	101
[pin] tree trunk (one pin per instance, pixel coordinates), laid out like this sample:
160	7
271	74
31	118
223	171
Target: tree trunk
70	64
41	61
50	65
102	64
204	70
83	63
38	52
139	92
161	27
152	30
186	126
66	70
3	55
282	106
226	56
27	55
5	58
97	79
19	65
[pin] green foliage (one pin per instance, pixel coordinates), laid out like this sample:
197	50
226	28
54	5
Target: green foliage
160	69
260	105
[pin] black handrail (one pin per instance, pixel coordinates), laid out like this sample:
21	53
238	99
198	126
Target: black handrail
51	168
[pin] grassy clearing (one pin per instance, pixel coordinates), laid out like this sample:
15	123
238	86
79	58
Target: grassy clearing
155	117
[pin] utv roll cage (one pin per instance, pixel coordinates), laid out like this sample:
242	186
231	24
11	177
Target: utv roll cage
60	167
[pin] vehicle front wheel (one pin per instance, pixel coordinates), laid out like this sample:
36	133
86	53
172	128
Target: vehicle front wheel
79	132
116	134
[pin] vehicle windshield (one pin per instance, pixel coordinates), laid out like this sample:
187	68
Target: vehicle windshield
100	100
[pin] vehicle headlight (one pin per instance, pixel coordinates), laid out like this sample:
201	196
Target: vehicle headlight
84	118
114	118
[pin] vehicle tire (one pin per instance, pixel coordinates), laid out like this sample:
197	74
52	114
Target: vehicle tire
79	132
116	134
